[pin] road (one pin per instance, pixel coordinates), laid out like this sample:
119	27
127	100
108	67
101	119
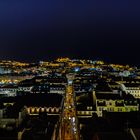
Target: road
69	124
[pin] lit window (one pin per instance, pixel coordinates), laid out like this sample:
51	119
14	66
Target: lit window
100	108
119	109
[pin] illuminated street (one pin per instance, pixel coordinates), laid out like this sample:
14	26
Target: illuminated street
69	126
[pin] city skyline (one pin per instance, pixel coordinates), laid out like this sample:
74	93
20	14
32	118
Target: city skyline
33	31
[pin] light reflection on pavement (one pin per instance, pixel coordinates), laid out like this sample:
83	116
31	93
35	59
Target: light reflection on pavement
69	126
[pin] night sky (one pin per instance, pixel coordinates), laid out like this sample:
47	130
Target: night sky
33	30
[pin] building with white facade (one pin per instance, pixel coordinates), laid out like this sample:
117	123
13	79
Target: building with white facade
114	102
131	88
